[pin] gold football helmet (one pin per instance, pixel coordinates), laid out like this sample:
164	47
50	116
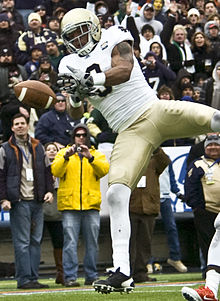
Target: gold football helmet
80	31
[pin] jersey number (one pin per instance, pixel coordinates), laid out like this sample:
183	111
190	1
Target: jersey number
103	91
154	82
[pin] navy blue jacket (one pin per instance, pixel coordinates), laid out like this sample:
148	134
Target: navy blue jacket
54	126
193	190
10	175
160	75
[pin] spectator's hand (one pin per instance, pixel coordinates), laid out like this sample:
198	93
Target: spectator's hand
128	8
24	112
180	196
13	81
85	151
48	198
70	151
59	145
173	8
6	205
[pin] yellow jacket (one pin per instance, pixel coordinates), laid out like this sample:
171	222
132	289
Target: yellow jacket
79	186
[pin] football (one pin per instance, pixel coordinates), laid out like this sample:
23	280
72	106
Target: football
35	94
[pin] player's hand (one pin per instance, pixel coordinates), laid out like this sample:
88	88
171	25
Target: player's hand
85	83
67	83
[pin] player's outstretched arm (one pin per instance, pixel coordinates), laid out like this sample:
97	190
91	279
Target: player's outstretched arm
122	64
76	112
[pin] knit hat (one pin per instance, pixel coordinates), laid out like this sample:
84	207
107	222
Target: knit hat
212	139
34	16
43	59
52	41
150	53
193	11
60	97
84	127
4	17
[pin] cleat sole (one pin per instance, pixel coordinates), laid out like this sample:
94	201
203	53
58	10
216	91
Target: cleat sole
188	297
106	289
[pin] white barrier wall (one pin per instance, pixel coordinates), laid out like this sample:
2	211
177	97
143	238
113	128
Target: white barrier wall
178	157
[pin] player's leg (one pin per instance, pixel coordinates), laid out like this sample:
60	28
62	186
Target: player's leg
129	158
177	119
210	290
213	264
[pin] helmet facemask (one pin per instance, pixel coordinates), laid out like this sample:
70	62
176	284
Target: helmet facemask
78	44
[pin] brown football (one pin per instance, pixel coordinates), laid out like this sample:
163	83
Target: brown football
35	94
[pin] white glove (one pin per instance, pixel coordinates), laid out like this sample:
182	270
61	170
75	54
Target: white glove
85	83
67	83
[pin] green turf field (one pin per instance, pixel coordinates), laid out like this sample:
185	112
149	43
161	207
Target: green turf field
167	288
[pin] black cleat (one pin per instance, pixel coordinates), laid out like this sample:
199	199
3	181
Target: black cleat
116	282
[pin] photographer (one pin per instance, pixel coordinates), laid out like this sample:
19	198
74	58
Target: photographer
155	72
55	125
80	168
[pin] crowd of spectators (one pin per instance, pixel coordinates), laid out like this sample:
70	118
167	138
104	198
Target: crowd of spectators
176	42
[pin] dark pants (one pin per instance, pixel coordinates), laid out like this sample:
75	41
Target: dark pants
204	224
142	227
55	229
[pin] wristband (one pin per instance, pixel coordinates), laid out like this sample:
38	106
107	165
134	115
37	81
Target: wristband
91	159
73	103
99	79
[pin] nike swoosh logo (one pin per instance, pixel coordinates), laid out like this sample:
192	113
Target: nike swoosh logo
208	299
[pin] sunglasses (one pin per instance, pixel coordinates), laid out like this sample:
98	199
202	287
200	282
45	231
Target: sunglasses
79	135
61	100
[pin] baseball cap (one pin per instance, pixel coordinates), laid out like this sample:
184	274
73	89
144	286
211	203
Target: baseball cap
213	25
215	138
149	6
39	7
6	52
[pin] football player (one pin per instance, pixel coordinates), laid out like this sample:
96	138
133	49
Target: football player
210	290
101	66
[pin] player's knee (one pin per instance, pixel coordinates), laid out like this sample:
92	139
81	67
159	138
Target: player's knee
217	222
215	122
117	194
112	194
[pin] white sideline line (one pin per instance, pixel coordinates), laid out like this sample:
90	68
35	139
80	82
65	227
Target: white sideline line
86	290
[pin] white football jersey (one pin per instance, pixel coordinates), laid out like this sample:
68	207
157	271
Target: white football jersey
122	104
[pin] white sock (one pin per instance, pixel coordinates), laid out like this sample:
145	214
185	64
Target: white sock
214	247
215	122
212	281
118	196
